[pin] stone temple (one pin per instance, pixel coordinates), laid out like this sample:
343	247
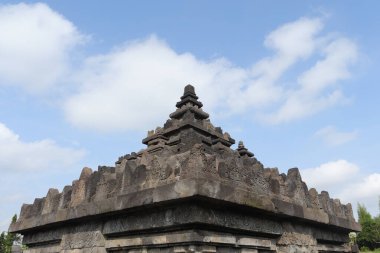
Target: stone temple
188	191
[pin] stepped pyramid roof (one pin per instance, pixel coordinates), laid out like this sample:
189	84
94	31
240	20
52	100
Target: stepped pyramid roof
187	159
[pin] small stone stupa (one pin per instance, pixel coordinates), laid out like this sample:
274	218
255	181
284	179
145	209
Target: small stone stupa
188	191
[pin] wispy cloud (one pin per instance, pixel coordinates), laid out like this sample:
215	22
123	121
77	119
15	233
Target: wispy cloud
316	88
332	137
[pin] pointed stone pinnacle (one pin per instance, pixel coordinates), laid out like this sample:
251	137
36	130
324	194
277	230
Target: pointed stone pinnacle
243	150
189	96
189	89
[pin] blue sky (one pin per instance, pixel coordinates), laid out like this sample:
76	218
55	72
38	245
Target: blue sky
82	82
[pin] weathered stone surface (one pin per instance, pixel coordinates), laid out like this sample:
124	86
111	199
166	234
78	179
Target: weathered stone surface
51	202
191	214
65	200
188	177
184	241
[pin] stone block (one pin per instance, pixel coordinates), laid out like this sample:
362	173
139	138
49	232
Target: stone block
249	251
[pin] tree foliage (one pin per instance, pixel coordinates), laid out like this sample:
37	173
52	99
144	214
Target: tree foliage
370	235
8	239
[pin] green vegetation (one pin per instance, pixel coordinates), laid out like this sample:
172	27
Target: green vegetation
7	239
369	238
365	249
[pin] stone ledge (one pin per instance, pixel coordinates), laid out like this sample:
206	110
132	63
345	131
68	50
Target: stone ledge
191	214
185	188
190	237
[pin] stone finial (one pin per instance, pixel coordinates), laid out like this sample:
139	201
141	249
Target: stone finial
189	108
243	150
189	89
189	96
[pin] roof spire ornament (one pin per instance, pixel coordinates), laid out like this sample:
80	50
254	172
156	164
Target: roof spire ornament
189	104
243	150
187	126
189	96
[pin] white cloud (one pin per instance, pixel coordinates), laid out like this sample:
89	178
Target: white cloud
28	168
136	85
35	43
17	155
346	181
290	43
339	54
299	104
366	187
329	174
365	190
332	137
295	39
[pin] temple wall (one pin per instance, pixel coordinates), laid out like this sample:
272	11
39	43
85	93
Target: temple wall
188	227
186	241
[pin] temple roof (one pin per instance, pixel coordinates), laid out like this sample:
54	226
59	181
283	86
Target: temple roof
188	157
189	115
